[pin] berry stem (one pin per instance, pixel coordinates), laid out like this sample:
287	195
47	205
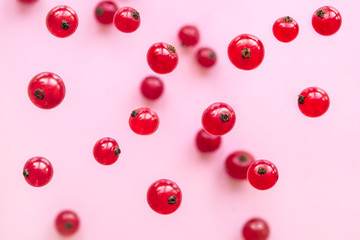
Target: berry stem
134	113
224	117
246	53
26	173
288	19
301	99
172	200
117	151
261	170
65	25
136	14
39	94
320	13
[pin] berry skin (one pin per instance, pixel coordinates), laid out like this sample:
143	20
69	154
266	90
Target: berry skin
127	20
313	102
246	52
326	20
262	174
143	121
67	223
256	229
105	11
164	196
218	119
62	21
38	171
285	29
162	58
207	143
46	90
106	151
152	87
237	164
206	57
189	35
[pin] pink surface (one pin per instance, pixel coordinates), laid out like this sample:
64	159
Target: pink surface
316	196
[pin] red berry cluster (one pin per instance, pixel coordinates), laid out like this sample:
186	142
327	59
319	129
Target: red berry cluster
46	90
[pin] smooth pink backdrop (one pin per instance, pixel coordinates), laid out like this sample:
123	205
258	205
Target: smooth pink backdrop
317	194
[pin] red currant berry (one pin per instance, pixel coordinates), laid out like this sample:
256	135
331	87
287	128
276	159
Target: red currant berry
189	35
256	229
262	174
164	196
206	142
67	223
206	57
144	121
218	119
246	52
237	164
162	58
106	151
46	90
62	21
152	87
27	1
105	11
285	29
38	171
127	20
313	102
326	20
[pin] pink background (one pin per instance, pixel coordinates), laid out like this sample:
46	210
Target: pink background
317	194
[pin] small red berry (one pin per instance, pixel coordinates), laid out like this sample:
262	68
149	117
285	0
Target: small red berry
313	102
127	20
246	52
106	151
67	223
237	164
162	58
326	20
38	171
189	35
46	90
285	29
62	21
105	11
206	142
164	196
144	121
256	229
152	87
262	174
206	57
218	119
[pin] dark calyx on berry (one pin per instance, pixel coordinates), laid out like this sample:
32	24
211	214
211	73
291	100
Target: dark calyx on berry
135	14
246	53
68	225
262	170
320	13
99	11
117	151
212	55
301	99
134	113
224	117
172	200
26	173
242	158
171	48
39	94
65	25
288	19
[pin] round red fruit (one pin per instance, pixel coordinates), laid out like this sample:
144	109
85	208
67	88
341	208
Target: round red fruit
189	35
262	174
67	223
237	164
162	58
285	29
206	57
207	143
256	229
152	87
218	119
105	11
106	151
62	21
127	20
38	171
326	20
313	102
143	121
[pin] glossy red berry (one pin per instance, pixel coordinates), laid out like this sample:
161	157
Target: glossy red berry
27	1
326	20
246	52
218	119
164	196
143	121
46	90
285	29
38	171
206	57
313	102
162	58
262	174
152	87
62	21
127	20
105	11
256	229
67	223
237	164
106	151
189	35
206	142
